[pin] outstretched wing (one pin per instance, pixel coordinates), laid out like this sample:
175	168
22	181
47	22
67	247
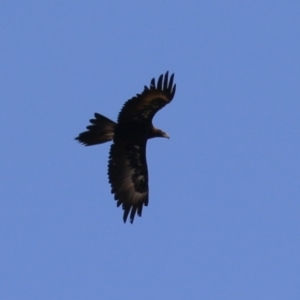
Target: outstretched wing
144	106
128	176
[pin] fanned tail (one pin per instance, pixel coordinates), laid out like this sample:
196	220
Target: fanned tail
101	131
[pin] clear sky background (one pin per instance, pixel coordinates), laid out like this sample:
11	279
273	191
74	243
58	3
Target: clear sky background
223	218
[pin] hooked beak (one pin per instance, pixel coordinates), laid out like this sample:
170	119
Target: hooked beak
166	135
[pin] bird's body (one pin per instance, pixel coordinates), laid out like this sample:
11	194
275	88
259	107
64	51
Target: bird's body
127	167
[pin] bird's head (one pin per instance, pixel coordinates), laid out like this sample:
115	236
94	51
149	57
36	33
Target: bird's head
159	133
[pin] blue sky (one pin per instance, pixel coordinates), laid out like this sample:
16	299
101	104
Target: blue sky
223	218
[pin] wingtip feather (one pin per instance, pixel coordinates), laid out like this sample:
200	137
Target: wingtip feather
166	79
173	91
152	83
159	82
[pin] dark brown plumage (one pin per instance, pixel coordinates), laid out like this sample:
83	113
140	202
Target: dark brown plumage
127	166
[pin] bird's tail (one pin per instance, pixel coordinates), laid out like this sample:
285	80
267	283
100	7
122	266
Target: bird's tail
101	131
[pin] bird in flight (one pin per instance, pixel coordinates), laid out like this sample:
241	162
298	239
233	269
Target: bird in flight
127	164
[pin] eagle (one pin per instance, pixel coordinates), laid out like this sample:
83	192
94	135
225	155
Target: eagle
127	164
